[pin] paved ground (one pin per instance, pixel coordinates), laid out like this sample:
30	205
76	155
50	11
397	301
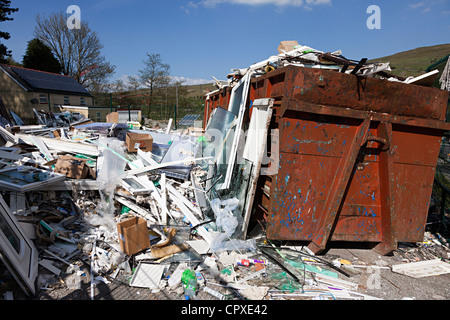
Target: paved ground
381	283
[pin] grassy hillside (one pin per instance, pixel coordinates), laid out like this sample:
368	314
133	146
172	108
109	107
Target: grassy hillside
199	90
415	62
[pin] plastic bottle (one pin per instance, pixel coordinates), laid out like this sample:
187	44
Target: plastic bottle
189	279
190	289
214	293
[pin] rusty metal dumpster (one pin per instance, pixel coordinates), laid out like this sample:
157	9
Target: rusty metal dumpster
357	157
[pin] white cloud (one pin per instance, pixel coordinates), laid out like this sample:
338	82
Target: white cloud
183	80
191	81
278	3
424	6
190	6
417	5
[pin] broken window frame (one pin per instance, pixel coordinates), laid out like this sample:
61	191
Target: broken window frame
132	188
12	152
8	185
255	150
21	260
241	101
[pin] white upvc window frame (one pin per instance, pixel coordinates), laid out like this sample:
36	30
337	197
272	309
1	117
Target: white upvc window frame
22	262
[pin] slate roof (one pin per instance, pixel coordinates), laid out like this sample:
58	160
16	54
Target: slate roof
41	81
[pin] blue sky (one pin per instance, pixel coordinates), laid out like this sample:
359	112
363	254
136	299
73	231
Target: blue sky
204	38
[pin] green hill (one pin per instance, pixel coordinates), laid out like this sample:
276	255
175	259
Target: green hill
199	90
415	62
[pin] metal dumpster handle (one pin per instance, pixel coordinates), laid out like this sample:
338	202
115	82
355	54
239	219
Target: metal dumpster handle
380	140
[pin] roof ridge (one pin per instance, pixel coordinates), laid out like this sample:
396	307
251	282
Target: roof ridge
43	80
56	74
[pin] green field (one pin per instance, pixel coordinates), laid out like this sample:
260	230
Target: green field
415	62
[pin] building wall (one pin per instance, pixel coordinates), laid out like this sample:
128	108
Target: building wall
14	97
19	100
98	114
57	100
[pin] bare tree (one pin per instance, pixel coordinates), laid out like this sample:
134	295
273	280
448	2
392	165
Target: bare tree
133	83
77	50
154	75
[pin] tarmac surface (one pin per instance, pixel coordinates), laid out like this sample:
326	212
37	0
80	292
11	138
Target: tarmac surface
380	283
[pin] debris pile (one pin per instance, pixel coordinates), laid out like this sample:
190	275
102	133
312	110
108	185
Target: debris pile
162	209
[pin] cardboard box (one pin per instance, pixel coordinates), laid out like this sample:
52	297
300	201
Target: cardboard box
72	167
143	141
133	235
286	46
112	117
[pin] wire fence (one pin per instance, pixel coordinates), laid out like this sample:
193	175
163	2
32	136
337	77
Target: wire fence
162	113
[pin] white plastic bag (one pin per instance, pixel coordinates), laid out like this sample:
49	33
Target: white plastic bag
223	211
228	222
111	172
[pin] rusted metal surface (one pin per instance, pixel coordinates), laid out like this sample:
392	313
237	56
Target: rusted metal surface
357	157
218	100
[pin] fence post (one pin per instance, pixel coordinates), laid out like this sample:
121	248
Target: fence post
175	116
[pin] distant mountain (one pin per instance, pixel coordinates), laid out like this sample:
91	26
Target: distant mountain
415	62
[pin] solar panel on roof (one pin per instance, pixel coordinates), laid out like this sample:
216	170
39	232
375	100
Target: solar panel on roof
188	120
49	81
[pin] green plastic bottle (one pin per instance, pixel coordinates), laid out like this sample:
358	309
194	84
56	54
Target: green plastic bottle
189	279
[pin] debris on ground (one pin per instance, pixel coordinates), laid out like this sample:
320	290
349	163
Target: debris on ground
102	203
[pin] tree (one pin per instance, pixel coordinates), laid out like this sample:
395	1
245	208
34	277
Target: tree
5	11
40	57
77	50
133	83
154	75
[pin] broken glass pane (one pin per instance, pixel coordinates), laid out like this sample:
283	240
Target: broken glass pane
9	234
23	177
218	137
